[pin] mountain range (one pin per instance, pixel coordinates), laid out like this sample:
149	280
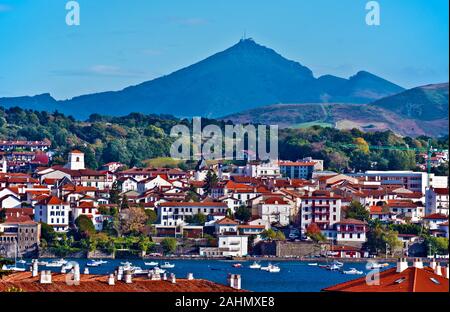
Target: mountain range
249	77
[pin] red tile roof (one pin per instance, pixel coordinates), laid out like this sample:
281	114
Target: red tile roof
98	283
226	221
193	204
436	216
51	200
410	280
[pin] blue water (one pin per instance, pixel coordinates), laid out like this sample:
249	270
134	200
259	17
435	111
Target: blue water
295	276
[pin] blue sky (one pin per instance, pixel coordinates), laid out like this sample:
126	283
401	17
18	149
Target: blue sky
122	42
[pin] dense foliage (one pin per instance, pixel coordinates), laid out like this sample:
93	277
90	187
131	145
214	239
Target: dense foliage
136	138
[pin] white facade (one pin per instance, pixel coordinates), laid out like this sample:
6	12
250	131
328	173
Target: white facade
76	161
54	213
437	201
275	213
325	211
233	245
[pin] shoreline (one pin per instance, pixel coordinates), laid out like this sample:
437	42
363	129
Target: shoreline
260	258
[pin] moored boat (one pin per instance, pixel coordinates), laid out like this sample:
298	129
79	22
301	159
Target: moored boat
255	265
353	271
152	263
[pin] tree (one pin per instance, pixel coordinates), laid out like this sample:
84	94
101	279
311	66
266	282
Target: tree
363	147
198	218
169	244
243	213
133	221
144	243
114	194
152	217
211	181
85	226
391	239
124	203
2	215
314	233
272	235
357	211
47	233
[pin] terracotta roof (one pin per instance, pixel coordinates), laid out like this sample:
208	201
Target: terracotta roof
296	163
275	201
441	191
51	200
436	216
410	280
226	221
193	204
98	283
352	221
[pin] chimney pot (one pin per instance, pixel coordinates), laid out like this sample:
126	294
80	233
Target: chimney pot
173	278
418	263
111	280
190	276
433	264
402	265
438	269
86	271
128	277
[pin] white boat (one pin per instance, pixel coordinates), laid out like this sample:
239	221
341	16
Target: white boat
56	264
152	263
157	270
313	264
335	262
21	261
43	263
255	265
126	263
271	268
12	268
334	267
139	270
274	269
374	265
353	271
102	261
93	263
167	265
68	266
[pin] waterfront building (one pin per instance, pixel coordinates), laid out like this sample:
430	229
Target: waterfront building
175	213
437	201
320	207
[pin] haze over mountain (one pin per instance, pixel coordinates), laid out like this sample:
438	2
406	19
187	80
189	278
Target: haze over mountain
244	76
418	111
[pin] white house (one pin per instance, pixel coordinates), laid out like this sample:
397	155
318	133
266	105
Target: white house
437	201
151	183
54	212
275	210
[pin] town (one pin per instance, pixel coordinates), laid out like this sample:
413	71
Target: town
286	209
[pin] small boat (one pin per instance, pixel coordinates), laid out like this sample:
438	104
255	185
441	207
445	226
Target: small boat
157	270
44	263
335	262
12	268
138	270
271	268
334	267
374	265
126	263
56	264
237	265
68	266
313	264
102	261
21	261
255	265
353	271
167	265
93	263
152	263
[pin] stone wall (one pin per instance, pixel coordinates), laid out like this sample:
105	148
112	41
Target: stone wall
297	249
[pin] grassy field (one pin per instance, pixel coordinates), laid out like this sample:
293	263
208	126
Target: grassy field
163	162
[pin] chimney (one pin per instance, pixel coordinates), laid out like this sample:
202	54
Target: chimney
418	263
190	276
234	280
165	276
111	280
63	270
438	269
120	273
433	264
76	273
173	279
46	277
34	268
128	277
86	271
402	265
446	271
